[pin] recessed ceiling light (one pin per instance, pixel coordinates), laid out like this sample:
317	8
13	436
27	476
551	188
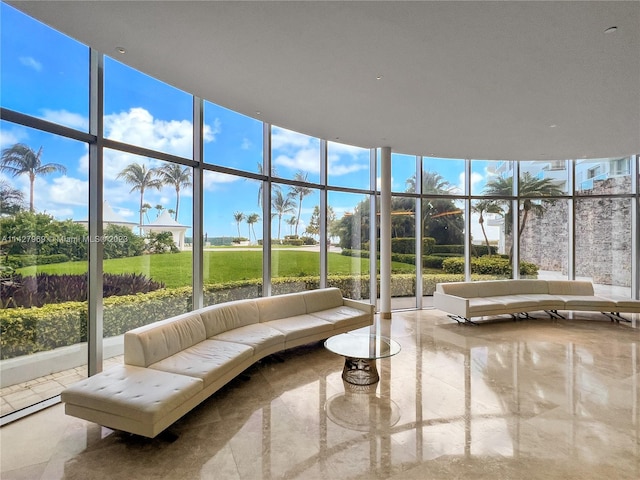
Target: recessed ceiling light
611	30
258	112
379	77
553	125
121	50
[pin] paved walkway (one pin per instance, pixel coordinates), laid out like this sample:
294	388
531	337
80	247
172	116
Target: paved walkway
29	393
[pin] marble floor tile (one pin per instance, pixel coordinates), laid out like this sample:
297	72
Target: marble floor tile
535	399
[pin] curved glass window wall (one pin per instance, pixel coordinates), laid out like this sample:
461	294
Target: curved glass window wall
196	205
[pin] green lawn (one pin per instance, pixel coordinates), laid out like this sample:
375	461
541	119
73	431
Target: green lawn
220	266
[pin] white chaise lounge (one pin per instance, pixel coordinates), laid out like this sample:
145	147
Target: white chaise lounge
172	365
465	300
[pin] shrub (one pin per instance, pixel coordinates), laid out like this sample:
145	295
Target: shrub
120	242
431	261
489	266
293	241
161	243
25	331
309	241
45	288
457	249
403	245
19	261
408	258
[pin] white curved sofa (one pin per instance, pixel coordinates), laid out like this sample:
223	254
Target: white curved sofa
465	300
172	365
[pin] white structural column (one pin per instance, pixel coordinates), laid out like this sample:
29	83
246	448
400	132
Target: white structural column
385	232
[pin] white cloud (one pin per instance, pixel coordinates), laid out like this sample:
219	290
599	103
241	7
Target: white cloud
476	179
246	144
287	139
60	196
345	159
126	213
306	159
337	169
138	127
212	179
342	148
10	136
209	132
31	62
64	117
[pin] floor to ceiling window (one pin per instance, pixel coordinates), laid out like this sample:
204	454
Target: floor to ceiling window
544	222
273	204
604	223
233	210
43	203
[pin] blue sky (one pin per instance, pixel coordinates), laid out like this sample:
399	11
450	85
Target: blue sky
44	74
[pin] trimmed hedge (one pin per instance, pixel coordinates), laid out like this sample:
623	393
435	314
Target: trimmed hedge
19	261
489	266
407	245
481	250
25	331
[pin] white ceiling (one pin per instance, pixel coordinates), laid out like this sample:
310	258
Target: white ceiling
459	79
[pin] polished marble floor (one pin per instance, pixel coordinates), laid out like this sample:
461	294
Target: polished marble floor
536	399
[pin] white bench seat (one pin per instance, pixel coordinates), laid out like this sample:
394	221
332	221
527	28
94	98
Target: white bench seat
465	300
174	364
207	360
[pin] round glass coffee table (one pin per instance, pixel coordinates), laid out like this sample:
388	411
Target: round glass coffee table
360	351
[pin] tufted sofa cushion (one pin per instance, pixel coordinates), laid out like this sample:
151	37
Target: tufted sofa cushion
208	360
156	341
173	365
133	392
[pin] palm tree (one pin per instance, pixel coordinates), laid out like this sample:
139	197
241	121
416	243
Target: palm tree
432	182
21	159
141	179
11	199
273	186
532	190
239	217
291	222
159	208
145	209
486	206
300	192
252	219
441	217
281	204
178	176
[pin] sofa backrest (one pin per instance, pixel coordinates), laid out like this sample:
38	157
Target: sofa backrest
570	287
458	289
227	316
522	287
281	306
492	288
154	342
317	300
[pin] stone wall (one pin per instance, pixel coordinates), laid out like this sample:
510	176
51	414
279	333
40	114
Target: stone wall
602	235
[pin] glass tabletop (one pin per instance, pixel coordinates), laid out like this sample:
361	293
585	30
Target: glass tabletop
362	345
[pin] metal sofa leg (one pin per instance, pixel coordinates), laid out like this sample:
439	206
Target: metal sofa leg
461	319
